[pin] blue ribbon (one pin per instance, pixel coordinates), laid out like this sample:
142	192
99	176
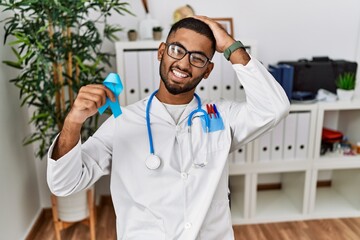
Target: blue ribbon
113	82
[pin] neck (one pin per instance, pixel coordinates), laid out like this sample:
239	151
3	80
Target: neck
165	97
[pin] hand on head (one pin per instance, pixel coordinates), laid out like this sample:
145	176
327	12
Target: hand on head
223	39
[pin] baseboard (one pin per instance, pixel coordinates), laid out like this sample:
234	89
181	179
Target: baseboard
269	186
104	199
323	183
37	223
278	186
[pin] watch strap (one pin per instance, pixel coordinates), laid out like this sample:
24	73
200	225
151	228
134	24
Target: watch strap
232	48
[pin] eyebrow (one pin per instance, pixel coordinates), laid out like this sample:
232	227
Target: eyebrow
180	45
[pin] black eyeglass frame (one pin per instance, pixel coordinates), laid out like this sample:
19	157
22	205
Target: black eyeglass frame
186	52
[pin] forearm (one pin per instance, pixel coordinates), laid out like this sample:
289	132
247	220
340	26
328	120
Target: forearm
68	138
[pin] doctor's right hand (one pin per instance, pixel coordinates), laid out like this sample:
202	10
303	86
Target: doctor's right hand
89	99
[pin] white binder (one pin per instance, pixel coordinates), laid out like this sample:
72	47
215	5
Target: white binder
264	147
302	135
202	89
145	73
156	71
277	142
228	80
131	77
290	136
239	155
239	91
214	79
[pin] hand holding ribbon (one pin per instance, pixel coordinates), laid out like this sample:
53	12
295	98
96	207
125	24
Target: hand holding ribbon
113	82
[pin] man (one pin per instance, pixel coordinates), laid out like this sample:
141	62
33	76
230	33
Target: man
180	189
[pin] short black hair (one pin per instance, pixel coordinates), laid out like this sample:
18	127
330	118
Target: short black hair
196	26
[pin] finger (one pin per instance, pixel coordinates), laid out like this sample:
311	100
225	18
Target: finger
94	93
108	92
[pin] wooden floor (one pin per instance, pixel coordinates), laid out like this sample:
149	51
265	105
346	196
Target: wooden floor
334	229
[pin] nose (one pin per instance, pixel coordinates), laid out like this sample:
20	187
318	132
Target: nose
185	61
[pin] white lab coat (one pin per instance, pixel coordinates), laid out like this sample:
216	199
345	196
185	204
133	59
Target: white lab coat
175	201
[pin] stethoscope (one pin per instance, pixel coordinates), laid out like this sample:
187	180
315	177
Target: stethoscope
153	161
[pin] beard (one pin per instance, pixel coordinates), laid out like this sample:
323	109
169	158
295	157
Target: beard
174	88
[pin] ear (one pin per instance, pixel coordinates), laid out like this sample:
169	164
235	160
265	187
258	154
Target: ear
161	50
209	68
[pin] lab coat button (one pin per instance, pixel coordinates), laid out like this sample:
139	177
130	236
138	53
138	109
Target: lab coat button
184	175
187	225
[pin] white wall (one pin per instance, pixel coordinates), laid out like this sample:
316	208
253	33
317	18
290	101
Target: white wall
19	201
283	29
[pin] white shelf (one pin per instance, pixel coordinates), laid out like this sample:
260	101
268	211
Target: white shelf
330	203
299	197
288	203
239	187
341	199
275	204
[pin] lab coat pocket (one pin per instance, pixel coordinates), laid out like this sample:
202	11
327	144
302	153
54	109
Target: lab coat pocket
217	224
145	230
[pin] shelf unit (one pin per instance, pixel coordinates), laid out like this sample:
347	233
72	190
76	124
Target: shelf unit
299	197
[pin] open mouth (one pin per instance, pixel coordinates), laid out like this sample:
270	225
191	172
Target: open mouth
179	74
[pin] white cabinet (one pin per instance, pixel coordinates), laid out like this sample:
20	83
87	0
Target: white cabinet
303	183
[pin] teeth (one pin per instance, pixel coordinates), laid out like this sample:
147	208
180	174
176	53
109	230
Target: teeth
178	74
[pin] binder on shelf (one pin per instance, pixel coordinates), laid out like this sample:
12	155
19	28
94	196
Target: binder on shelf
275	70
287	79
277	142
290	136
239	155
155	66
131	77
228	80
214	80
146	73
302	135
264	147
284	74
239	91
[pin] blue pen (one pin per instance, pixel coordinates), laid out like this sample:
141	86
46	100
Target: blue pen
217	115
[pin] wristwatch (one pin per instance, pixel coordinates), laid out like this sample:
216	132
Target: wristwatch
236	45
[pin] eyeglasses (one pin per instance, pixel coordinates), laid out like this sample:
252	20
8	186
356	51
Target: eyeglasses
178	52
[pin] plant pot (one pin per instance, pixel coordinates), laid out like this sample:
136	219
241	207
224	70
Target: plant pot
345	95
132	36
73	208
157	35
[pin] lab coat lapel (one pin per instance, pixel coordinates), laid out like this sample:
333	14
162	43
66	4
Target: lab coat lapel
158	110
189	108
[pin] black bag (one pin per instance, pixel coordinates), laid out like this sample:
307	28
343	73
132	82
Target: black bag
320	72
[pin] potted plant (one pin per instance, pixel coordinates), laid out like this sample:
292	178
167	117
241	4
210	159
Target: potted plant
157	32
132	35
57	49
345	84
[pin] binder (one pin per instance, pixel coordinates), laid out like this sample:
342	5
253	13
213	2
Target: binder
302	135
276	72
277	142
239	91
131	77
264	147
239	155
228	80
214	80
156	70
146	73
287	79
290	124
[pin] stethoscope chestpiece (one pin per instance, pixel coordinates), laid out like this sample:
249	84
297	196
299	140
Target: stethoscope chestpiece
152	162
